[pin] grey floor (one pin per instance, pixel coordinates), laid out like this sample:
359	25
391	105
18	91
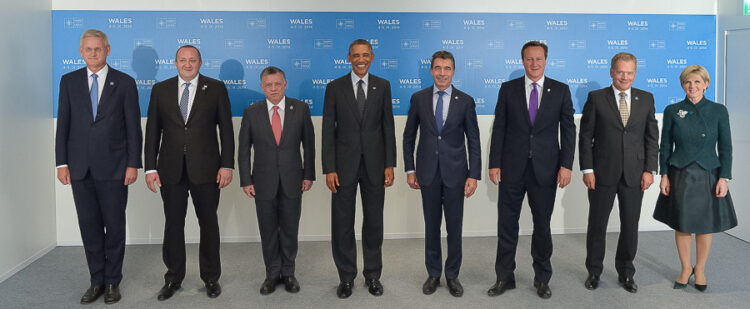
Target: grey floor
58	279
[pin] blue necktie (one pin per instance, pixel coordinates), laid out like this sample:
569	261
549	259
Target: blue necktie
439	111
94	94
184	102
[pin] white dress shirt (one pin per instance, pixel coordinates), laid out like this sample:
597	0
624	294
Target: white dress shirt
270	106
191	97
355	80
539	86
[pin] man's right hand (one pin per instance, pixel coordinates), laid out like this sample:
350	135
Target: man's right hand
495	175
590	181
150	179
63	174
332	181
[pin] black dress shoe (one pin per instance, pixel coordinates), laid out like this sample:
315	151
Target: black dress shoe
168	290
499	287
111	294
291	284
92	294
374	287
628	283
213	289
345	289
542	289
592	282
269	285
455	287
430	285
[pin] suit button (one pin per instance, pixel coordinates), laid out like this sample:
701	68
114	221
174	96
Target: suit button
185	128
532	135
440	137
436	152
703	134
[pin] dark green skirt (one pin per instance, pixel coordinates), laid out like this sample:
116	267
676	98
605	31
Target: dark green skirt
692	205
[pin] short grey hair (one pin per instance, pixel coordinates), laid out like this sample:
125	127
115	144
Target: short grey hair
95	33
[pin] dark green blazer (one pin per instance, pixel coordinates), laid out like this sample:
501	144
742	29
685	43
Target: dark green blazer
693	133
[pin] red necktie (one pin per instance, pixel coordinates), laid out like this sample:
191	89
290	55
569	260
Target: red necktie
276	124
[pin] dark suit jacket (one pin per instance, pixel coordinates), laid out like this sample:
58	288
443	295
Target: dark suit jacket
347	137
274	163
448	148
169	140
514	140
614	150
105	145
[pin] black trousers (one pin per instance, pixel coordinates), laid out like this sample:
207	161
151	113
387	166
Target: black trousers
600	206
436	199
343	242
541	202
206	202
100	205
278	222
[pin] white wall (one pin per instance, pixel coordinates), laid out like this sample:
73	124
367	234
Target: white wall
403	214
27	201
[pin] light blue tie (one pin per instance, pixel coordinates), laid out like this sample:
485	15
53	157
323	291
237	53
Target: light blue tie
94	94
439	111
184	101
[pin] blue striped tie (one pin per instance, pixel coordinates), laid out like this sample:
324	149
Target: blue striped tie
184	102
94	94
439	111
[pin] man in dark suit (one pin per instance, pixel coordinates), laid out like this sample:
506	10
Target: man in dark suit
359	147
446	118
183	157
618	154
532	112
274	128
98	152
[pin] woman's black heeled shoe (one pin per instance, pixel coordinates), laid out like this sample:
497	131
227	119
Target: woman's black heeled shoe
678	285
700	287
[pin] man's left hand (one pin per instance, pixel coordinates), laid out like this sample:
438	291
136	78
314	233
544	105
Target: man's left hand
131	174
563	177
470	186
646	180
388	177
224	177
306	185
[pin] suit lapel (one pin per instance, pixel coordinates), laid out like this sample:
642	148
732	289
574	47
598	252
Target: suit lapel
452	107
265	122
288	115
200	92
545	92
635	106
428	111
86	91
521	95
109	88
614	105
371	88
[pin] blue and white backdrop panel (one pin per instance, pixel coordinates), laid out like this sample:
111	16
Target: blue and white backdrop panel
312	46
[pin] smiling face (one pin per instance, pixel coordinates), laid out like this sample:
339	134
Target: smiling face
188	63
360	55
273	86
694	87
534	62
442	72
94	52
623	74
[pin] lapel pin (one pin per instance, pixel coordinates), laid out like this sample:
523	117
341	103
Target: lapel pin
548	90
291	107
373	88
636	98
456	97
111	83
204	87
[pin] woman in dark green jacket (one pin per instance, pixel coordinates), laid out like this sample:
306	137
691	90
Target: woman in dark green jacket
694	192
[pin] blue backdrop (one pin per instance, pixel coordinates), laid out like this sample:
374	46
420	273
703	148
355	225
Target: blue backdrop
311	48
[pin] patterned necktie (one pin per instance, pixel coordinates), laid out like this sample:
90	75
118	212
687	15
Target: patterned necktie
276	124
439	111
533	103
94	94
624	108
361	97
184	102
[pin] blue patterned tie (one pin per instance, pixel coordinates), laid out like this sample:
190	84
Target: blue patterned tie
94	94
184	102
439	111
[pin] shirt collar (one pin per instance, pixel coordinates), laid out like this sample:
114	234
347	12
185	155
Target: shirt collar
102	72
448	90
617	92
528	81
355	78
193	82
270	105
